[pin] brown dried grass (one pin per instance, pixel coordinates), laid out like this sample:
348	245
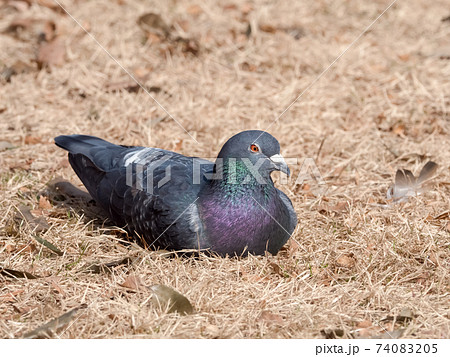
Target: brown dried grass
383	106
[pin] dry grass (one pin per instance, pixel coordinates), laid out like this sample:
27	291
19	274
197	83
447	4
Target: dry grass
383	106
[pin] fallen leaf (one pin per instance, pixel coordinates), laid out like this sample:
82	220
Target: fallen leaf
340	207
133	282
49	245
106	267
443	215
332	333
267	316
54	283
346	261
44	203
19	24
267	28
36	224
399	129
66	188
12	229
131	86
11	273
157	31
170	299
189	45
306	187
51	53
49	30
276	268
153	23
112	316
52	327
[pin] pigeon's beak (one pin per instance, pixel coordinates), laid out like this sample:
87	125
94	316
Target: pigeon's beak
280	164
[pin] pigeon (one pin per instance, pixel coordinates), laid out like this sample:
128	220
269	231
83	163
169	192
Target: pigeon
166	200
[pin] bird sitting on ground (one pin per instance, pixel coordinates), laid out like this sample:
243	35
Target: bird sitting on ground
170	201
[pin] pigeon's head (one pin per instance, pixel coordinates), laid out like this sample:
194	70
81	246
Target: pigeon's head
257	149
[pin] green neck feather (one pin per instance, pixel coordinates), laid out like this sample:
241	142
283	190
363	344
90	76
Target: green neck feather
235	180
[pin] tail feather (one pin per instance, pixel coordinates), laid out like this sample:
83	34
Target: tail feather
81	144
98	164
101	153
91	158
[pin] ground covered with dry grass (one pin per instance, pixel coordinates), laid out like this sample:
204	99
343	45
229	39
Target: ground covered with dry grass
356	266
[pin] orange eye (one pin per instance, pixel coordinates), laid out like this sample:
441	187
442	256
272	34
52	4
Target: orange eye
254	148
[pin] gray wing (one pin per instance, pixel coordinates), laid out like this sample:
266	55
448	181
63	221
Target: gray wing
161	204
149	191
